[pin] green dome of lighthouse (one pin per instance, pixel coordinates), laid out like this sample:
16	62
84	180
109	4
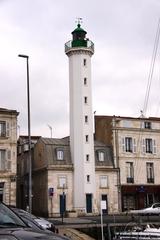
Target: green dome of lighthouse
79	37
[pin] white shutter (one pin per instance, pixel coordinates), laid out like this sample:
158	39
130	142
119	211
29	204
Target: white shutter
134	145
143	146
123	144
8	160
154	147
7	129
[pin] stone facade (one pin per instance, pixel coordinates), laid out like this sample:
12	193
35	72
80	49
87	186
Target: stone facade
8	155
135	144
53	178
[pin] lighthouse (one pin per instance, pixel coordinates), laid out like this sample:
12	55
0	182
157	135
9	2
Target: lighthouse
79	51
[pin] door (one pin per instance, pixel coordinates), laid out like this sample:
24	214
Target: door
104	198
89	203
1	191
62	204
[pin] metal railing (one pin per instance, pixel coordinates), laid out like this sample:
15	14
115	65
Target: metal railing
90	46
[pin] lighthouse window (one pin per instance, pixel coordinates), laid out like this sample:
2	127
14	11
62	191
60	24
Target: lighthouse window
84	62
85	81
87	138
85	100
87	157
88	178
86	119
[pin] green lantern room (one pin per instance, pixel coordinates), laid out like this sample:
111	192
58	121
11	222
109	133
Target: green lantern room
79	37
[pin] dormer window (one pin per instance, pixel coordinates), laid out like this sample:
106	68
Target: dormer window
101	156
60	154
147	125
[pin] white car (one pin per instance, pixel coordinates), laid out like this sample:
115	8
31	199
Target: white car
154	209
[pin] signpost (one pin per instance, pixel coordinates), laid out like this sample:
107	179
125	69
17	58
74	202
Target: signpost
103	206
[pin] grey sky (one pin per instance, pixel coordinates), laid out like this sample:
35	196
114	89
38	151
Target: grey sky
123	32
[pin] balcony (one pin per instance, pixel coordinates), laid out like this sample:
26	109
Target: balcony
89	46
130	180
150	180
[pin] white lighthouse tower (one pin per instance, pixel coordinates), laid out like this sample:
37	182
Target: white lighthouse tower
79	51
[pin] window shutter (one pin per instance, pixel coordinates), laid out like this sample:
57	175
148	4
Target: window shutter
134	145
154	147
7	129
123	144
143	146
8	160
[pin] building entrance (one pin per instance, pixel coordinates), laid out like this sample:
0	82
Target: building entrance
89	203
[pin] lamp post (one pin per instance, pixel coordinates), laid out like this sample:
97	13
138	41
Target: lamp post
29	134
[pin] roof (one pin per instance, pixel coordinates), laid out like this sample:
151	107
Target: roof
8	111
131	118
79	29
56	141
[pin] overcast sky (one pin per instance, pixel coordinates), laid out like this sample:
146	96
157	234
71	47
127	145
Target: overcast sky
123	32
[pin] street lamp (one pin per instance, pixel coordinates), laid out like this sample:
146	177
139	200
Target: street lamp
29	134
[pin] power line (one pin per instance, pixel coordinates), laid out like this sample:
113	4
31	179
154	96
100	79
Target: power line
151	69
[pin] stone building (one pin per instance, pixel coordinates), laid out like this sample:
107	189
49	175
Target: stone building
136	151
8	155
23	169
53	177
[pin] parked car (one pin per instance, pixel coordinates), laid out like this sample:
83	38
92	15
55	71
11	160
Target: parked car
45	224
154	209
12	227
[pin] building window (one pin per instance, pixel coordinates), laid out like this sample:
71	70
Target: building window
85	81
60	154
148	142
62	181
2	159
2	129
84	62
150	172
101	156
87	138
129	144
86	119
147	125
85	100
103	181
149	146
88	178
87	157
129	172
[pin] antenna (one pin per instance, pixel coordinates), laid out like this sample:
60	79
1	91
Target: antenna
79	20
50	129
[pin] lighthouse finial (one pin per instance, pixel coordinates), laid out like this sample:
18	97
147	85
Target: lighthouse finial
79	21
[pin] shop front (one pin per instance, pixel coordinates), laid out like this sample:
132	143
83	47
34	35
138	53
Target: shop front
139	196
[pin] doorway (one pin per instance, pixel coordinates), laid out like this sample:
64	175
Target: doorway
62	204
89	203
1	191
104	198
